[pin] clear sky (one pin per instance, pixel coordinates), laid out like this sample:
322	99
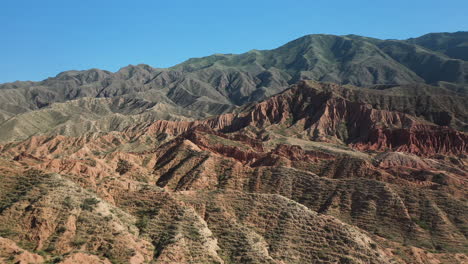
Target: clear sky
40	38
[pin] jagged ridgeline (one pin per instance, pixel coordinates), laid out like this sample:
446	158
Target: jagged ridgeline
75	102
329	149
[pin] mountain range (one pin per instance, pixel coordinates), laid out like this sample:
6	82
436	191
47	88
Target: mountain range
220	83
328	149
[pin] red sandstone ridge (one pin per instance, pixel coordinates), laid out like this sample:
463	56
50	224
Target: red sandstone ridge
315	111
323	113
296	153
246	150
420	140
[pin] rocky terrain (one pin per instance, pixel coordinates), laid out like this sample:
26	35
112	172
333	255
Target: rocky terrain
308	174
75	102
145	166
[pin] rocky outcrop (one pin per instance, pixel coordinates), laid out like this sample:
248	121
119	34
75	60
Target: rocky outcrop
419	139
10	251
77	258
397	159
320	111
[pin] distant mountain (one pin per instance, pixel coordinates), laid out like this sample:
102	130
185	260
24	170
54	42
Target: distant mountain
349	59
454	45
220	83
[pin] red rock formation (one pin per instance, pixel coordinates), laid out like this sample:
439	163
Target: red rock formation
397	159
315	110
326	116
296	153
424	140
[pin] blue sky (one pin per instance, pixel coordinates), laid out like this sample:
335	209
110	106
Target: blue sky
42	38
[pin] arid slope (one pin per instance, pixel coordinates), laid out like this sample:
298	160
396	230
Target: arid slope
319	173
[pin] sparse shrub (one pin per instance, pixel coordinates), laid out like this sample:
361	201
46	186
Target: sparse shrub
56	259
61	229
142	223
346	260
322	254
123	166
78	242
193	233
91	231
68	202
132	252
216	210
439	247
141	178
440	179
256	239
50	248
41	253
89	204
146	161
423	224
7	233
342	131
25	182
92	162
81	219
164	239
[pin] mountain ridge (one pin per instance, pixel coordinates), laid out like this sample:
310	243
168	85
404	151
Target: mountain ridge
328	149
201	87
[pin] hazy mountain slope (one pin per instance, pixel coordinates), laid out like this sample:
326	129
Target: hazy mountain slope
138	81
426	64
344	59
426	58
77	117
317	57
454	45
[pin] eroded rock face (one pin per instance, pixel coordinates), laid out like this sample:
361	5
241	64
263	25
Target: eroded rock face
397	159
10	251
324	115
421	140
77	258
310	173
